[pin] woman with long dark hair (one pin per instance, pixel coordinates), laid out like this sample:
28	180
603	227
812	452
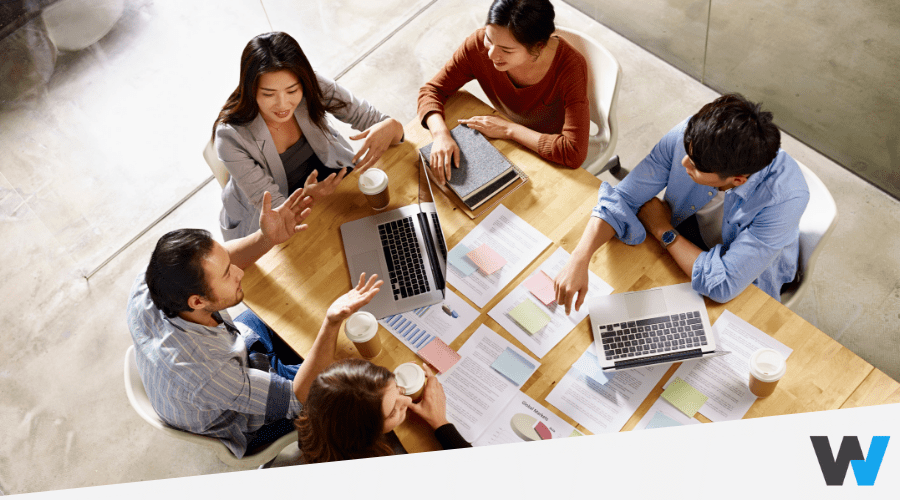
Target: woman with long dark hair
273	133
353	403
537	80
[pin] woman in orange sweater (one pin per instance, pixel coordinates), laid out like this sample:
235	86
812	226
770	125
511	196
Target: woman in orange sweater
538	81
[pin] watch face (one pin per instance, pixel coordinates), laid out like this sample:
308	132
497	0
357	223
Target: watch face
668	237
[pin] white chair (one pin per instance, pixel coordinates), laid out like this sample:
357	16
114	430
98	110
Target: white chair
604	76
77	24
215	164
816	224
141	404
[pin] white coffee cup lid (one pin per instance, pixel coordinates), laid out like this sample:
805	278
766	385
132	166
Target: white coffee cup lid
410	377
373	181
767	365
361	326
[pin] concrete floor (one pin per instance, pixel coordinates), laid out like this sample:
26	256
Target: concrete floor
113	140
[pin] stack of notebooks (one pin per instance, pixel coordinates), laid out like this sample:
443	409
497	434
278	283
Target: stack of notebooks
483	170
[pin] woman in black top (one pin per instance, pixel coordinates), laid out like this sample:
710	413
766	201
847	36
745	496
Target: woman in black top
354	403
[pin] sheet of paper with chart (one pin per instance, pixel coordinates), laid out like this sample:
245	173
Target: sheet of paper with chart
505	234
603	407
524	419
444	321
556	325
476	391
724	379
663	414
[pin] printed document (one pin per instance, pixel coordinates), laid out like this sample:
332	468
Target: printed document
662	414
524	419
445	321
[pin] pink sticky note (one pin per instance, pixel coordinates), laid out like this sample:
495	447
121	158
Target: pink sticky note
439	355
486	259
541	286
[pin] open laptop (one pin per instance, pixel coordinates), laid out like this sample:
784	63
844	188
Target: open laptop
405	247
651	327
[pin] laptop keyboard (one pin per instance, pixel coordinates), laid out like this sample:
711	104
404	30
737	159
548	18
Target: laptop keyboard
653	335
406	269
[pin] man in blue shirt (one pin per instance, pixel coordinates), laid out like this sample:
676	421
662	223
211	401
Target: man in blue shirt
205	373
732	205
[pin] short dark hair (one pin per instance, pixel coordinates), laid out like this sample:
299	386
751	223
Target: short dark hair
342	418
731	136
176	272
529	21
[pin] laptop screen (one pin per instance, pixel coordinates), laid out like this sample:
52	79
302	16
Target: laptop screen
428	216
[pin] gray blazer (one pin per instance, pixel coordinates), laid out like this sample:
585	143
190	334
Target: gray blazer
249	153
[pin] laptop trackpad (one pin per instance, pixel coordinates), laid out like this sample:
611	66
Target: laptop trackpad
646	303
368	263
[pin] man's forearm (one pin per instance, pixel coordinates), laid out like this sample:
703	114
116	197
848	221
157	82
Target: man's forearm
596	234
320	357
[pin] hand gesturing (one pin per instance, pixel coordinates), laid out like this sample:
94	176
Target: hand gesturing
280	224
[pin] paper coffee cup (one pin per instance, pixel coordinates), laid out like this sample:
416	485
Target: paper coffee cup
374	184
411	378
362	328
767	366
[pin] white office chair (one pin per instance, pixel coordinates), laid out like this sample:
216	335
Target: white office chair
604	76
141	404
215	164
77	24
816	224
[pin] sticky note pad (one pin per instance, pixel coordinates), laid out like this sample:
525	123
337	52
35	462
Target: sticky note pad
541	286
486	259
590	367
439	355
513	366
662	420
457	258
529	316
575	433
684	397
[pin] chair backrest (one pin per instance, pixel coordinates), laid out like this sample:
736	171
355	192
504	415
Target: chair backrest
215	164
604	77
817	221
77	24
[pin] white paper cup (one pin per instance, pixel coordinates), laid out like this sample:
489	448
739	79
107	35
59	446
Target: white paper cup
373	183
411	378
767	366
362	328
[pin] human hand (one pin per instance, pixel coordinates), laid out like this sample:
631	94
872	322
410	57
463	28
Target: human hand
352	301
572	281
378	138
656	216
433	406
493	127
444	152
319	190
280	224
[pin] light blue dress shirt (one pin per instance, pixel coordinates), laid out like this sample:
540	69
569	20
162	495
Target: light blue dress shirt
760	226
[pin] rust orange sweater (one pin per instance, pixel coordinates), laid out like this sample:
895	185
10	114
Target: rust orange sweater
557	106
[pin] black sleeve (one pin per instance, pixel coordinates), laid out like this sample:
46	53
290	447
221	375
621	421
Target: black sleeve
450	438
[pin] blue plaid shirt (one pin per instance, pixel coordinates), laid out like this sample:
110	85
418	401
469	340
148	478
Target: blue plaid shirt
201	379
760	225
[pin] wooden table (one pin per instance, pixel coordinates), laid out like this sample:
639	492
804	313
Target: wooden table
291	287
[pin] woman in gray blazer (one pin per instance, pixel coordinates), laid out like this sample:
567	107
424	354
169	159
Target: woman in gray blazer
273	134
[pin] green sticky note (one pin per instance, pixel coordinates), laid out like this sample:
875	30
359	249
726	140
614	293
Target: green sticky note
684	397
575	433
529	316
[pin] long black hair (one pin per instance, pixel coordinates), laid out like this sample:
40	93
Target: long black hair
529	21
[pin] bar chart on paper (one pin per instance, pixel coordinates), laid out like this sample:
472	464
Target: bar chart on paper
445	321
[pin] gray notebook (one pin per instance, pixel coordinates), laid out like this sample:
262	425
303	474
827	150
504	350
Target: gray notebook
483	170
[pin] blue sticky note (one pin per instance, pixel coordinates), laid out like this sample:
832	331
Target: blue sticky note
513	366
457	258
662	420
590	367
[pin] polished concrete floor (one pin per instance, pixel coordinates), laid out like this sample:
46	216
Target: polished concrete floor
111	140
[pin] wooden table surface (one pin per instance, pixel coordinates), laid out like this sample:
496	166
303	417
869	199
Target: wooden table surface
291	287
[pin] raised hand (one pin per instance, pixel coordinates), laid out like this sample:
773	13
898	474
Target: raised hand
350	302
280	224
319	190
378	138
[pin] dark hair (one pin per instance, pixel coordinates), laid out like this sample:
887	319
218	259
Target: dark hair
269	52
731	136
529	21
175	271
342	418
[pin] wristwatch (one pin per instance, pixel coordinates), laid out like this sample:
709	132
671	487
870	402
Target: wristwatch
668	237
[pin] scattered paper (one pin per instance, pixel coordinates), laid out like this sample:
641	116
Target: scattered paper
445	321
588	365
529	316
668	414
486	259
684	397
531	419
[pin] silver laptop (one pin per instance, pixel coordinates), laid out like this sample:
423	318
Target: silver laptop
651	327
405	247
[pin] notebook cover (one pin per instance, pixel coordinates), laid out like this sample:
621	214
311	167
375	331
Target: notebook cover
480	163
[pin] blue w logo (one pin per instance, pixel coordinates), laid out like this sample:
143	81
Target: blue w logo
834	469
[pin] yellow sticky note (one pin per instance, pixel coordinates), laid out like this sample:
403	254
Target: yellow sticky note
529	316
684	397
